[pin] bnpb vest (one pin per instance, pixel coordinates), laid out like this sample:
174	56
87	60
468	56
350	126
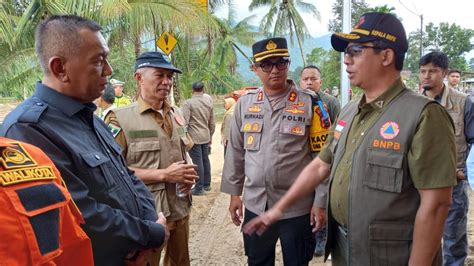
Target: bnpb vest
382	198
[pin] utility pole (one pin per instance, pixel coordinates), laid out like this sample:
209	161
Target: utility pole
421	36
346	27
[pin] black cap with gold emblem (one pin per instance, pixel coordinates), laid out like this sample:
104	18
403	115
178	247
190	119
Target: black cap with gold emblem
270	48
374	26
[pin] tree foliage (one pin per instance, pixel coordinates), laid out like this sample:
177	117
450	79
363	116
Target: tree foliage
129	26
450	39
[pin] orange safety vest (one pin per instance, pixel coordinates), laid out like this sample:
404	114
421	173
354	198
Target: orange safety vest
40	224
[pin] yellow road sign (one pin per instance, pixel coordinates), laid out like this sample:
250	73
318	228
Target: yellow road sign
203	4
166	42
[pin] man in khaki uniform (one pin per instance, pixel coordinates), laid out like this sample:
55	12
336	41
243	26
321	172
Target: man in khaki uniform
390	184
153	136
433	70
326	109
199	115
269	146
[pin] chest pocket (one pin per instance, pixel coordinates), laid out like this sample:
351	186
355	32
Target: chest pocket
144	152
39	209
384	170
100	169
252	129
292	136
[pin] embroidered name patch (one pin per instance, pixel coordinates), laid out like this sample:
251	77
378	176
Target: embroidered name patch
16	176
389	130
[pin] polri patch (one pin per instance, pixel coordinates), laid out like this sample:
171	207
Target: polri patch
389	130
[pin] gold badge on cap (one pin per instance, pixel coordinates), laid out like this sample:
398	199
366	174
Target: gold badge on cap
271	45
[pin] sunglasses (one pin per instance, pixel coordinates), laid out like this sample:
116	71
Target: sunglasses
356	50
268	66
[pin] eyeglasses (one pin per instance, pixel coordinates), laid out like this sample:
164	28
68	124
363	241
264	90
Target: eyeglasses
356	50
268	66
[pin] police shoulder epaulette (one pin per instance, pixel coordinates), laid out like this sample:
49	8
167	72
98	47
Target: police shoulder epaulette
252	91
32	112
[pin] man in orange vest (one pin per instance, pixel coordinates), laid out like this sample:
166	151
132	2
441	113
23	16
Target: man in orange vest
40	222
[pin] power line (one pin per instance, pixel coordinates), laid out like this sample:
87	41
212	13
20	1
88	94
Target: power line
411	11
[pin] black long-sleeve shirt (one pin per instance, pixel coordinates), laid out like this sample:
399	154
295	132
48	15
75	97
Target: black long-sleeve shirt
117	207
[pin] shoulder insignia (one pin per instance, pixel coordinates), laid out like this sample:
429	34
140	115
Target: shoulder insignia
292	96
33	112
19	166
255	109
260	96
114	129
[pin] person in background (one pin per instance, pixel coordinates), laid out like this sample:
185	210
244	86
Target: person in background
198	112
326	108
454	78
105	101
120	98
229	105
433	70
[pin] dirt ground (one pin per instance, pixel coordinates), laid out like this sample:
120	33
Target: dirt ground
215	240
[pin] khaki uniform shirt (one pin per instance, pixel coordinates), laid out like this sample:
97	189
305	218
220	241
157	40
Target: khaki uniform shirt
268	148
199	115
423	156
167	142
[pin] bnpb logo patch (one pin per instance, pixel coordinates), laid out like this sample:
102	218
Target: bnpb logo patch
389	130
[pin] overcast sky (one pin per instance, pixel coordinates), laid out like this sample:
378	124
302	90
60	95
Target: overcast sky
460	12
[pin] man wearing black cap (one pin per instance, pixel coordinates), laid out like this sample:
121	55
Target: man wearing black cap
390	158
153	137
198	112
118	210
269	146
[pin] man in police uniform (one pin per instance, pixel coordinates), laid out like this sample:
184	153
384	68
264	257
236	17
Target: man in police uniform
59	118
40	222
269	146
390	158
433	70
153	136
326	108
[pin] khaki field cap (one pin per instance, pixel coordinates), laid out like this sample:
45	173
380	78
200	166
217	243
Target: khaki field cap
267	48
371	27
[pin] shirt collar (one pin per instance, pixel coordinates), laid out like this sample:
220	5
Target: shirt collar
144	106
383	100
66	104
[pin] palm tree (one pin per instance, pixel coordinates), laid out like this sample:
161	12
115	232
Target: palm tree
123	21
284	17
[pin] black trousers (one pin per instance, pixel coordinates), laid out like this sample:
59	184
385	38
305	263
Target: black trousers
297	242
